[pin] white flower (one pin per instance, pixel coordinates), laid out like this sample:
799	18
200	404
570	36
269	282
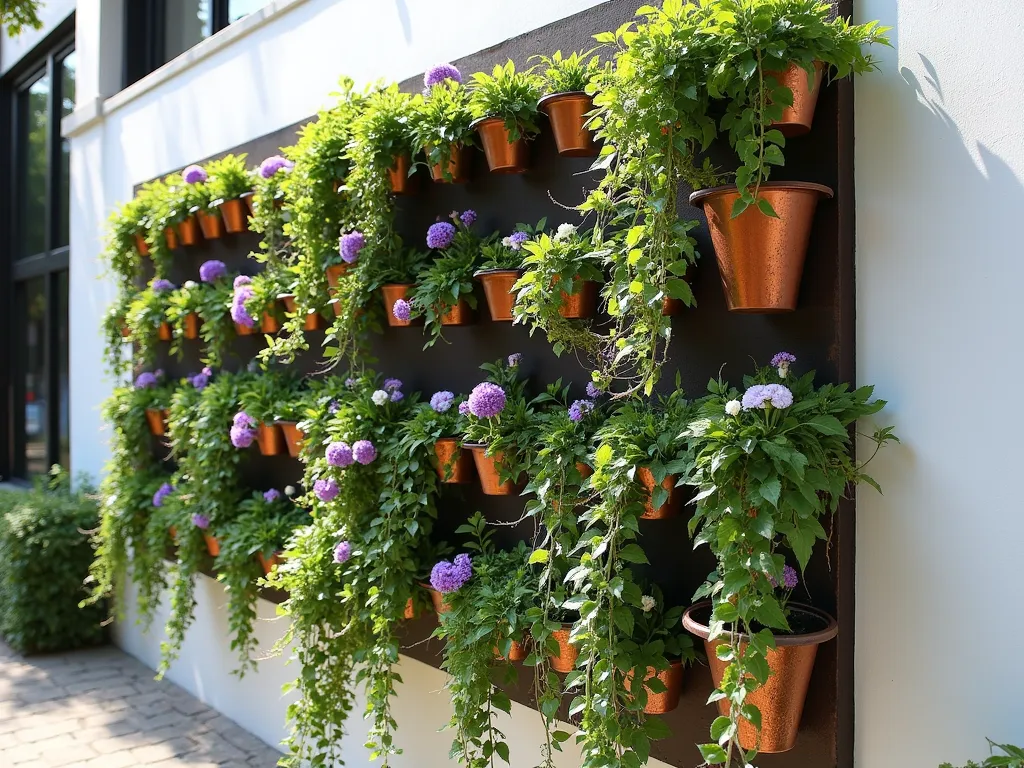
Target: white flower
289	490
648	603
565	231
190	284
733	407
783	370
507	242
380	397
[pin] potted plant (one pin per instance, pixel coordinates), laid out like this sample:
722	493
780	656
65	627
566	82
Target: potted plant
214	295
183	311
504	105
770	463
263	526
293	412
442	125
501	267
440	423
229	179
350	245
566	102
148	317
261	300
262	397
384	132
153	395
185	198
664	650
394	274
1012	757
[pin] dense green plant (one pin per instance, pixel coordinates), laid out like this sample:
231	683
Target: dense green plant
16	15
1012	757
266	396
115	323
213	305
507	253
570	74
268	219
45	551
121	256
266	287
227	179
436	419
659	639
771	462
185	199
147	311
400	266
387	124
161	216
442	123
509	95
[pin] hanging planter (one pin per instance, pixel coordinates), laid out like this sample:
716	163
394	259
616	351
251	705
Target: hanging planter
440	606
233	212
191	329
671	678
410	609
454	463
670	508
487	467
246	330
293	437
517	652
314	320
781	699
211	223
126	332
797	119
580	303
270	439
212	545
498	291
568	115
157	419
268	563
503	155
398	175
460	314
460	164
565	661
392	293
334	273
761	258
171	236
248	198
141	245
164	332
188	231
269	322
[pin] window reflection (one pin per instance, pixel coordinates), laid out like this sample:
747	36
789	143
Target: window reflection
32	333
239	8
64	452
67	99
34	123
186	22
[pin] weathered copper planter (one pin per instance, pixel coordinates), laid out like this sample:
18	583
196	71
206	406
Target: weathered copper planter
460	314
781	699
269	439
268	563
565	661
454	463
246	330
460	164
582	303
188	231
212	545
211	223
141	245
163	332
487	469
671	506
398	175
392	293
498	291
585	470
671	678
410	609
671	307
314	320
233	211
191	326
293	437
761	258
440	606
518	652
171	236
248	198
334	273
797	119
568	115
269	323
157	419
503	155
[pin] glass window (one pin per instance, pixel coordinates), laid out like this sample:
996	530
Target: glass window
239	8
32	357
63	377
67	106
186	22
34	120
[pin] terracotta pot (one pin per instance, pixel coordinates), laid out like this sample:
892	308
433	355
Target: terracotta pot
671	506
212	545
460	314
248	198
503	156
334	273
459	165
487	468
585	470
314	320
568	115
671	678
141	245
565	661
211	223
246	330
581	303
454	463
761	258
671	307
157	418
293	437
410	609
398	175
270	439
191	330
188	231
268	563
126	332
173	530
269	323
440	606
781	699
796	120
498	291
392	293
518	652
171	236
164	332
233	211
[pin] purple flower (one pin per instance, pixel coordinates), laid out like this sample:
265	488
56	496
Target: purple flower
243	430
762	395
200	521
392	384
333	406
350	383
160	285
363	451
464	407
273	164
580	409
200	380
272	495
164	491
207	371
448	577
350	245
242	280
193	174
790	578
243	420
325	488
239	313
468	218
442	401
779	359
514	359
397	396
401	310
212	270
486	400
145	380
342	552
159	373
440	235
516	240
339	454
594	391
439	73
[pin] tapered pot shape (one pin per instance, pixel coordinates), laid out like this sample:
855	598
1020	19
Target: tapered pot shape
460	314
567	113
670	508
191	329
797	119
269	323
518	652
761	258
392	293
460	164
141	245
398	175
163	332
565	661
781	699
211	223
188	231
454	463
440	606
314	320
212	545
671	678
488	469
268	563
293	437
246	330
171	236
580	303
334	273
234	213
497	285
270	439
247	198
157	420
503	155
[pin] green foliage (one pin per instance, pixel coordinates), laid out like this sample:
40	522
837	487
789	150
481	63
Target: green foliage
399	266
228	178
1012	757
266	396
213	305
16	15
509	95
442	121
147	311
570	74
266	287
386	125
506	253
45	551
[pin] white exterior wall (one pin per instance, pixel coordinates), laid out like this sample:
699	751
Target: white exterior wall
939	167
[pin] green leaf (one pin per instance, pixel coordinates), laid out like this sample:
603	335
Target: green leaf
655	728
766	208
769	490
632	553
828	425
539	556
712	754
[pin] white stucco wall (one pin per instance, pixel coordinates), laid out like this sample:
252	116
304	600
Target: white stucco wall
939	167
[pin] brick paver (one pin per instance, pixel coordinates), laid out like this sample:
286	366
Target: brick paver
101	708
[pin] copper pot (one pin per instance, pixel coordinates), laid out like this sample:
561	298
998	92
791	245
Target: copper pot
503	155
141	244
173	530
248	198
191	330
410	609
671	307
334	273
233	211
270	439
314	320
188	231
211	223
761	258
581	303
246	330
459	164
671	506
498	291
568	115
440	606
487	469
269	323
585	470
392	293
293	437
796	119
454	463
126	332
460	314
268	563
163	332
671	678
565	661
157	418
398	175
171	236
518	651
212	545
781	699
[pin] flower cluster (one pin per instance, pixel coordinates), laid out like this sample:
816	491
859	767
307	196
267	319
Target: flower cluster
201	379
200	521
790	579
448	577
364	451
579	409
515	240
342	552
440	235
164	491
273	164
349	245
325	488
211	271
439	73
148	380
243	292
761	395
272	495
339	455
515	359
194	174
161	285
468	218
648	603
564	232
243	430
442	401
464	408
486	400
782	361
402	310
594	391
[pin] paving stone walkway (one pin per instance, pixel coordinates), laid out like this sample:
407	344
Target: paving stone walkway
102	708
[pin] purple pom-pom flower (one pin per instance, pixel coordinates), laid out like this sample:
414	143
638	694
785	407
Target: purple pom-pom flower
392	384
402	310
242	280
594	391
441	72
200	380
763	395
448	577
579	409
364	451
325	488
464	408
442	401
339	454
160	285
200	521
790	578
782	361
162	493
342	552
516	240
468	218
212	270
486	400
349	245
273	164
397	396
145	380
440	235
194	174
272	495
